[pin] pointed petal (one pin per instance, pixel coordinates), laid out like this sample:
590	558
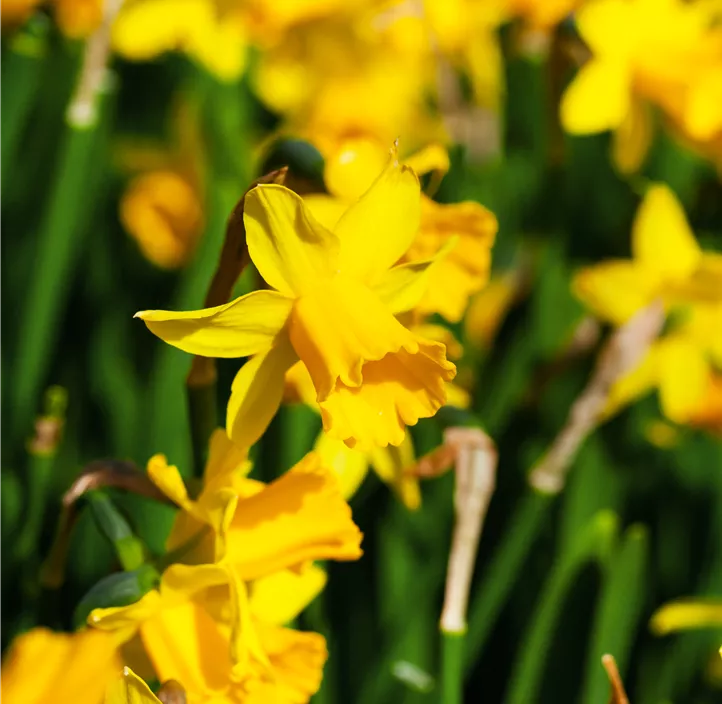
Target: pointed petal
281	596
598	98
403	287
227	462
168	479
351	466
130	689
661	237
326	209
237	329
687	613
634	385
126	617
616	290
684	377
299	517
288	246
379	228
631	140
396	391
391	463
256	393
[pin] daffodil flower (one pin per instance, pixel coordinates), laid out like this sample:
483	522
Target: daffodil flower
334	298
667	264
662	52
43	666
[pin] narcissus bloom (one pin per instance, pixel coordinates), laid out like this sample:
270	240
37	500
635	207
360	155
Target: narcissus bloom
658	52
667	264
333	305
43	666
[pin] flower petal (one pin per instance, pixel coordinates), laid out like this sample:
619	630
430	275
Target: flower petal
168	479
227	462
396	391
338	327
684	377
129	617
631	140
326	209
661	237
687	613
281	596
379	228
288	246
236	329
299	517
256	393
391	463
351	466
637	383
615	290
130	689
598	98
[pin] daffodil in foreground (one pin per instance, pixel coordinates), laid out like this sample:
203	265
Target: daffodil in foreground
43	666
667	264
334	298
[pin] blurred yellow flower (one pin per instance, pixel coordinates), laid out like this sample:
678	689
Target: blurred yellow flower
684	614
488	309
665	52
78	18
42	666
668	264
333	305
145	29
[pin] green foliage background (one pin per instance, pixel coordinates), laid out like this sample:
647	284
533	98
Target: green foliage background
558	582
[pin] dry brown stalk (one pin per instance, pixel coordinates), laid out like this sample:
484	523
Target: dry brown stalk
624	350
618	695
476	460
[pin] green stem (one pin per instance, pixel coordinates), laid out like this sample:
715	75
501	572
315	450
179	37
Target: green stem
594	543
58	246
452	668
503	571
21	69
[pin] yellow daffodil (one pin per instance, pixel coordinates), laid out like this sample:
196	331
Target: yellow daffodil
43	666
667	264
334	298
145	29
662	52
455	276
198	628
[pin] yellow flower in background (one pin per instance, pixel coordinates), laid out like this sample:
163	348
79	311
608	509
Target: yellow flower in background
455	276
145	29
684	614
43	666
667	264
334	298
129	689
489	307
78	18
645	51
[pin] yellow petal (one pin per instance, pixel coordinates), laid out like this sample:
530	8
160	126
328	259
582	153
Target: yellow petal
128	617
237	329
403	287
339	326
299	517
299	386
684	376
703	114
351	169
687	613
598	98
227	462
433	157
390	464
632	138
351	466
297	661
291	250
616	290
281	596
377	231
661	237
256	393
130	689
42	666
635	384
605	26
488	309
168	479
326	209
396	391
704	286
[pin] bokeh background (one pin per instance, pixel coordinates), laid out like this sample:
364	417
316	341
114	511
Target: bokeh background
127	211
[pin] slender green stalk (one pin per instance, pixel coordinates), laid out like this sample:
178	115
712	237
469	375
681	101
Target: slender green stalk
501	574
21	68
594	543
618	613
452	668
59	244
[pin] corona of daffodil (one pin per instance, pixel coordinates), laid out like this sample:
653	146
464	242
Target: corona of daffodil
667	264
334	298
